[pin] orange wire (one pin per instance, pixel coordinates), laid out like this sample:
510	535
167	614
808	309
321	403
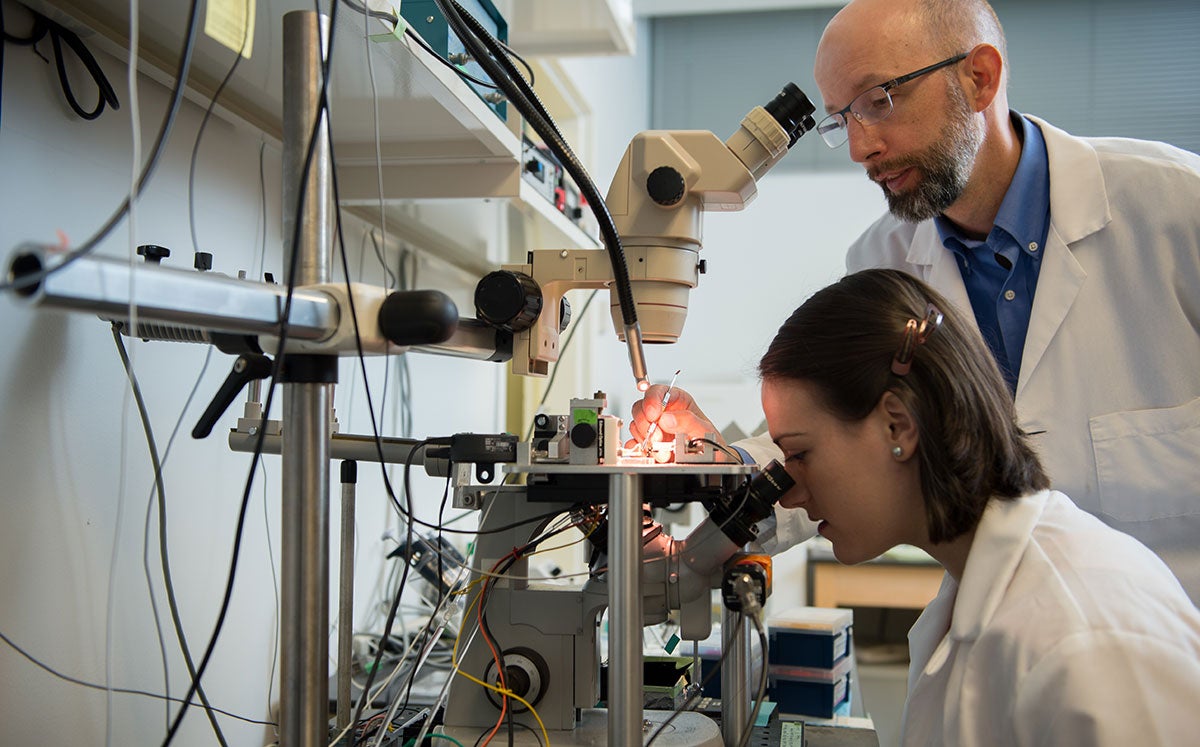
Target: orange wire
495	655
487	639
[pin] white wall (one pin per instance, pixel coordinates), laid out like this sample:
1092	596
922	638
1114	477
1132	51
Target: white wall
73	461
71	447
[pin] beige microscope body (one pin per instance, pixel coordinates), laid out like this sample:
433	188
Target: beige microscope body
666	179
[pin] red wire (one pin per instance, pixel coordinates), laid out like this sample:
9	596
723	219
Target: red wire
495	654
515	553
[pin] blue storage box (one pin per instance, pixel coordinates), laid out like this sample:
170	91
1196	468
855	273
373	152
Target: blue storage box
815	637
820	699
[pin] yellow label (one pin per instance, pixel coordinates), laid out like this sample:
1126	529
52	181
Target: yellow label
231	23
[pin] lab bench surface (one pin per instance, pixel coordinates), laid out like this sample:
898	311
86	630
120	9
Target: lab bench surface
906	580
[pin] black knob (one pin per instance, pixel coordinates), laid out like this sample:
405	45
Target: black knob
665	185
202	261
153	253
418	317
508	300
517	680
703	266
564	314
583	435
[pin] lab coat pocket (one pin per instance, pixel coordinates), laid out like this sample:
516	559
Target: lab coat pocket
1148	462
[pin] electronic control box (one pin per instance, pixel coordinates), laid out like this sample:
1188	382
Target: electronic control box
427	20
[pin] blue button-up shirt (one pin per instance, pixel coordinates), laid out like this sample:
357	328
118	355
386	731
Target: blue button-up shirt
1001	271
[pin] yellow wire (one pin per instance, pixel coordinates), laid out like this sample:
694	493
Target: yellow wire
515	697
509	693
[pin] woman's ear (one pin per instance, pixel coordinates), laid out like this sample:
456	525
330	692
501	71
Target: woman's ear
902	435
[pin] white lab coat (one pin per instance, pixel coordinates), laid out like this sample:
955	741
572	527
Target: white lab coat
1062	632
1111	368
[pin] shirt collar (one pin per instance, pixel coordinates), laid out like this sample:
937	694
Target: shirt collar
1024	214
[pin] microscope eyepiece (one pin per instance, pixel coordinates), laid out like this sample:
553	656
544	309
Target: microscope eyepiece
793	111
738	513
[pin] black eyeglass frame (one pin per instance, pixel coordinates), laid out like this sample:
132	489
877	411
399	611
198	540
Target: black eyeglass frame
839	117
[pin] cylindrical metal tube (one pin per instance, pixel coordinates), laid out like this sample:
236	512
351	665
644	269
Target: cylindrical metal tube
302	73
347	446
168	296
625	610
345	659
735	676
304	646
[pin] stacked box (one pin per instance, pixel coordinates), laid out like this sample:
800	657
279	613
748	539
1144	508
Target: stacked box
809	660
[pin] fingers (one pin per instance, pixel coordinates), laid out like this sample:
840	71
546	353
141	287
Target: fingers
682	415
651	403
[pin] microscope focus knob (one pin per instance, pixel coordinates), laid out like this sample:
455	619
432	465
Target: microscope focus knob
665	186
508	300
525	673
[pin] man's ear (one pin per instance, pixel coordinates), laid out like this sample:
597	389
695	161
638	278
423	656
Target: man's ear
984	75
901	425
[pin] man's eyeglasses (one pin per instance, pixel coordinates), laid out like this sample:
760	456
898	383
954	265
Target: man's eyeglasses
873	105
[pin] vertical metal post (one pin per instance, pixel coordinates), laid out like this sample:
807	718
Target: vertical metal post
625	610
346	595
304	690
735	676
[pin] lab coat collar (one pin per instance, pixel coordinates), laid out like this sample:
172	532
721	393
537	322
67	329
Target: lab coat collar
961	611
1078	208
1078	199
1000	540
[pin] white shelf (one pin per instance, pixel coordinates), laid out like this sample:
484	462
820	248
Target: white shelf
438	139
571	27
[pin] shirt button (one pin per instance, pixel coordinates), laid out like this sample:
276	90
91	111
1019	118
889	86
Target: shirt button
1009	295
1033	246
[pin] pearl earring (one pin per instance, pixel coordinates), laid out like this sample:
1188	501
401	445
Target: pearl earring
897	451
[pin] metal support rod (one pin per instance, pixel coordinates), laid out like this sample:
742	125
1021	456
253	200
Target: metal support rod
304	691
345	659
735	676
625	610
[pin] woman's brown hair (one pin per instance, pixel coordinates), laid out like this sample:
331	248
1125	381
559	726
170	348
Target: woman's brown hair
843	340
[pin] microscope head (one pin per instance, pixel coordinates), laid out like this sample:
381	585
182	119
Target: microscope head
667	179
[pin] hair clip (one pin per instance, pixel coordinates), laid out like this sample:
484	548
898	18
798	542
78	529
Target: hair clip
915	333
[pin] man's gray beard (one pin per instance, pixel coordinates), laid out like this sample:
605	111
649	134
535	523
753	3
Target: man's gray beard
945	167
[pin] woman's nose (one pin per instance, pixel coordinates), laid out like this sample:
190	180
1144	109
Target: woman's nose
797	496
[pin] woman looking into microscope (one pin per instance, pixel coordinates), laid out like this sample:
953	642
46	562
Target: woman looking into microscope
1050	627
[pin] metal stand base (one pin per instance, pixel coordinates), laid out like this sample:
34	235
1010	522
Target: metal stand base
688	730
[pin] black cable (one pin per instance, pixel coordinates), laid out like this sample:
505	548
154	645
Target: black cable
500	68
150	502
285	315
43	27
3	38
204	123
162	528
391	618
395	20
185	60
687	704
762	684
124	690
728	451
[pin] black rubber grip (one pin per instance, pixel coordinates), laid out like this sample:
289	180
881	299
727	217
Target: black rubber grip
421	317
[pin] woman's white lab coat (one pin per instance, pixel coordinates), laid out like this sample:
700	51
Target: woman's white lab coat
1062	632
1110	375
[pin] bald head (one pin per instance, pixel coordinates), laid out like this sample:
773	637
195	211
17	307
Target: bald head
906	33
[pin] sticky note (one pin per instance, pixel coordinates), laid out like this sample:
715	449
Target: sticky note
231	23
